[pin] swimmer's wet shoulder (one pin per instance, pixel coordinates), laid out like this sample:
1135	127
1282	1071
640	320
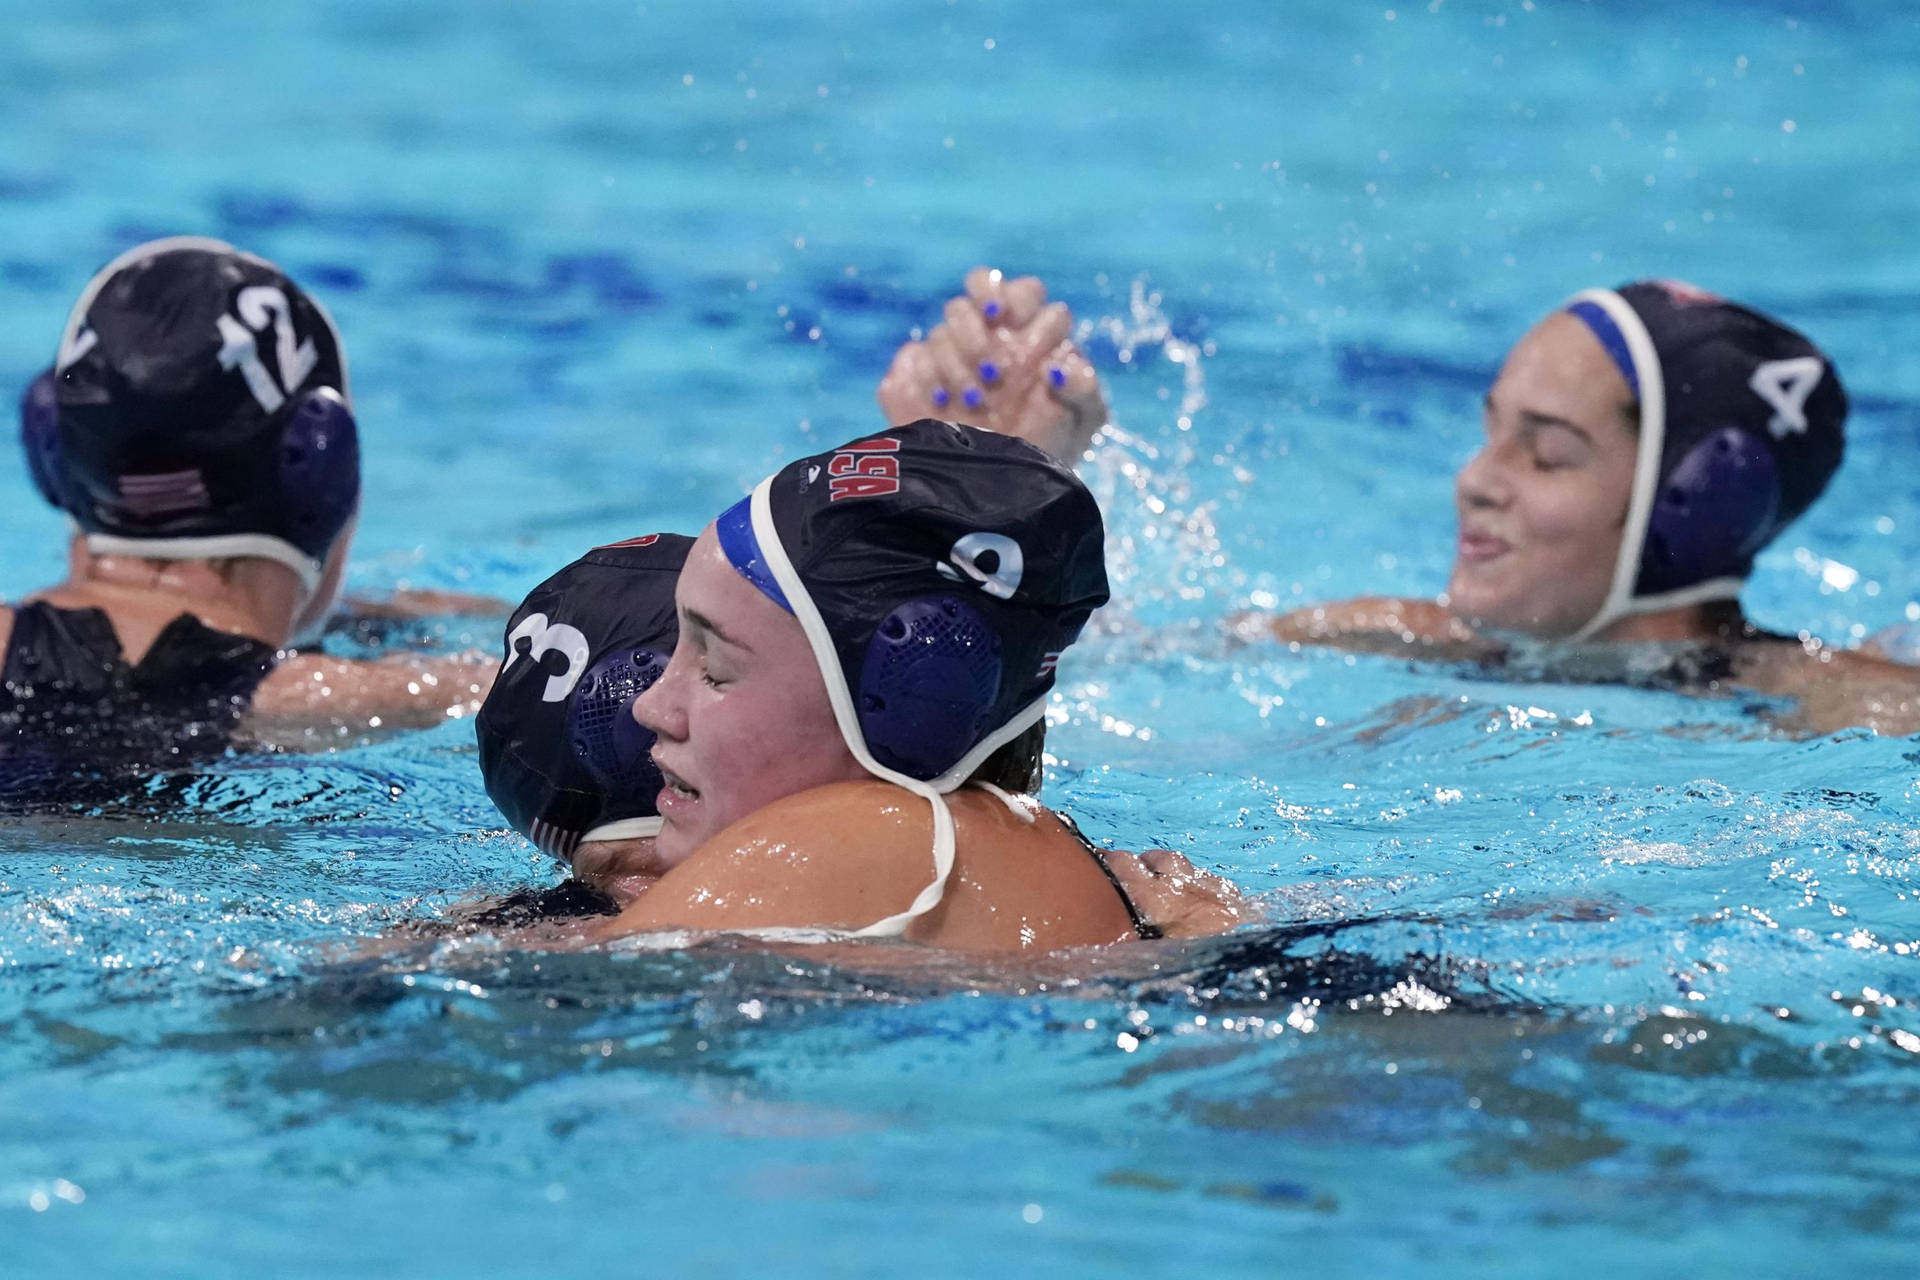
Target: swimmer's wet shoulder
842	856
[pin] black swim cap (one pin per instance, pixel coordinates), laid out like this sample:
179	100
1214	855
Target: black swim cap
198	408
946	569
560	751
1741	428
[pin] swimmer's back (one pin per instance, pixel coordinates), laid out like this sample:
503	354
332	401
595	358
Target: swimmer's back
844	856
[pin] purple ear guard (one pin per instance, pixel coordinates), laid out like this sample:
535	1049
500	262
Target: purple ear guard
1716	507
928	684
608	742
40	435
319	470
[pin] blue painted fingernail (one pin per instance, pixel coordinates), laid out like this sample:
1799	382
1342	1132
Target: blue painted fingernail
973	397
1056	375
940	397
992	310
989	371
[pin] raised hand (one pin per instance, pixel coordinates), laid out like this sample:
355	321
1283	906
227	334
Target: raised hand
1003	359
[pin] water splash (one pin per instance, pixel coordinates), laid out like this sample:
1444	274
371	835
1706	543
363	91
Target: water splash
1164	551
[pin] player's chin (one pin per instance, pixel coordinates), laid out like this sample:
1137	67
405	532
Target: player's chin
1487	603
1477	597
679	836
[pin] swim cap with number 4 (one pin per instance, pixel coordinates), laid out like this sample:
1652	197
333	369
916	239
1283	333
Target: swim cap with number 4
1740	423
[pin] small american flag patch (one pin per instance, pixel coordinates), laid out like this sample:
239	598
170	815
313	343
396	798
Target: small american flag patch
555	841
166	494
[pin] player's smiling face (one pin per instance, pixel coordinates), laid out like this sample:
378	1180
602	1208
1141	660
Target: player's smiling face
1543	504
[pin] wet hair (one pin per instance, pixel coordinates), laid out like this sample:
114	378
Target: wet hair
1018	765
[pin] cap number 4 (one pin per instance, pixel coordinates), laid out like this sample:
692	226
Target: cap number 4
1785	386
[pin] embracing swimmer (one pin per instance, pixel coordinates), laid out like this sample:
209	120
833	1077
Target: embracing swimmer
1643	445
561	755
197	428
852	711
570	767
577	781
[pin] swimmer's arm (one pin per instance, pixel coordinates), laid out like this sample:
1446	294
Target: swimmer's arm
310	692
1371	624
6	627
1044	391
1832	689
838	857
1881	643
408	603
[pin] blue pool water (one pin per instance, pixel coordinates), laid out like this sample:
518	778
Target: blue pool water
600	266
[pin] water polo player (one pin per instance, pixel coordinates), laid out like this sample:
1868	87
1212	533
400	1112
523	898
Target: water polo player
562	756
197	428
866	648
1643	445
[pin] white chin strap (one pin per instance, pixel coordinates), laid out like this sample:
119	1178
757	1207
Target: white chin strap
933	790
624	829
1621	602
217	547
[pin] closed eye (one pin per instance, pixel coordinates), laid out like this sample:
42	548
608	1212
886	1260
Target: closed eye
1556	445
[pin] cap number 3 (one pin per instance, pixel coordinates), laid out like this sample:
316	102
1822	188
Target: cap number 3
545	638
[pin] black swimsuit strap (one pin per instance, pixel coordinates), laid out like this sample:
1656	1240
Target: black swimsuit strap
189	655
74	648
79	649
1145	928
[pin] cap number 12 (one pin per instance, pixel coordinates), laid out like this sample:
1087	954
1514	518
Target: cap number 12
260	305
